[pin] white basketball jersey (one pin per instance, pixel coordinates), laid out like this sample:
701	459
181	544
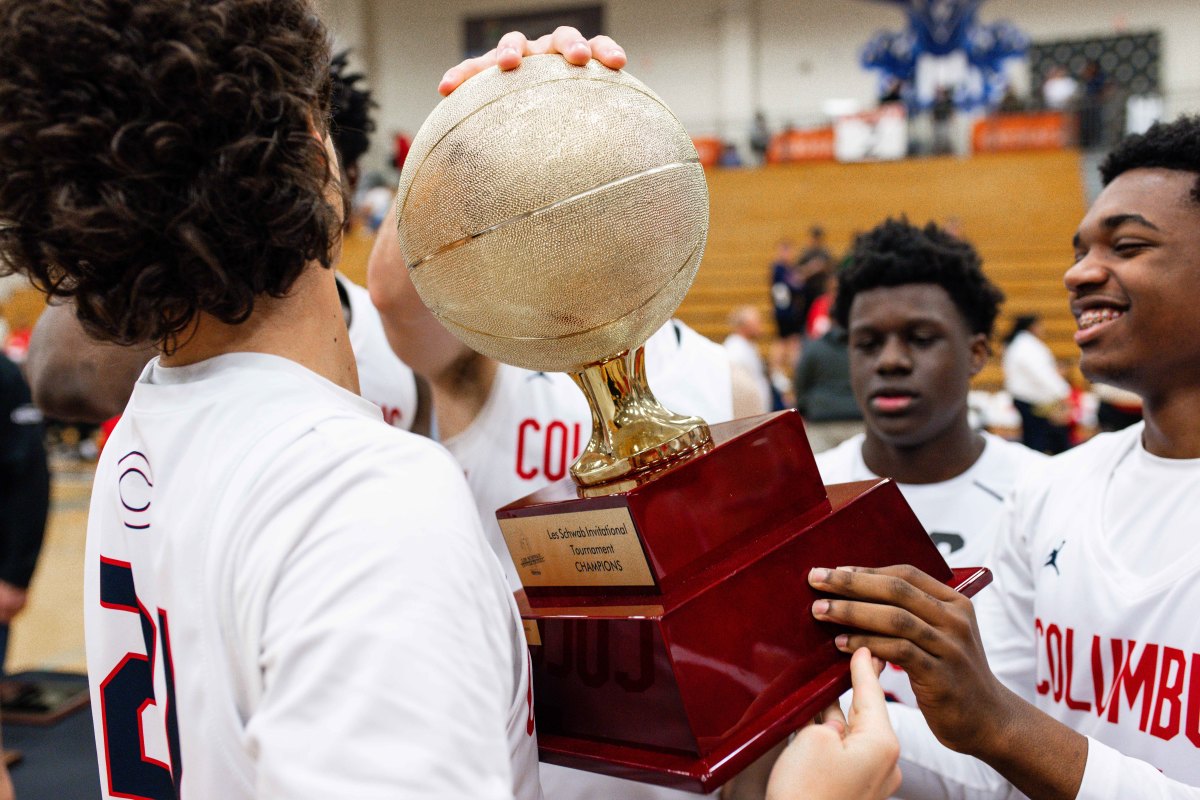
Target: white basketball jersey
1092	624
960	514
285	598
529	432
383	378
1094	618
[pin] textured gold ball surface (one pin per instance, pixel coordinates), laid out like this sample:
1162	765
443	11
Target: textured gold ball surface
552	216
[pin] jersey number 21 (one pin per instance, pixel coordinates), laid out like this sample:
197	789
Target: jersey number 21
126	692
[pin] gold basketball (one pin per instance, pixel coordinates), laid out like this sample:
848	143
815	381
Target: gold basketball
552	216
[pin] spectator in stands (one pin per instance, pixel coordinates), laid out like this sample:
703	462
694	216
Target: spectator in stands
819	320
823	392
893	92
781	361
815	271
1059	89
1011	103
785	290
1039	392
24	494
375	201
746	327
1094	91
942	112
760	137
816	245
730	157
1118	408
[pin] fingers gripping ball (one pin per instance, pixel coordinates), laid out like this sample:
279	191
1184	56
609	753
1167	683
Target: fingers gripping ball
553	215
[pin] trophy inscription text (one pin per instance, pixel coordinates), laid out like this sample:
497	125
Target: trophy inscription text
582	548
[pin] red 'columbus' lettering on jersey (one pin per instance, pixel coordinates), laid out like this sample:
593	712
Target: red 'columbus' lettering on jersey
546	450
1157	684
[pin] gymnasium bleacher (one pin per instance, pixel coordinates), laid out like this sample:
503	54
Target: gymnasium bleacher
1020	210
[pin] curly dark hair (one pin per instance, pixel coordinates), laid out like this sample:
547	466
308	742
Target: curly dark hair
897	253
161	158
351	125
1171	145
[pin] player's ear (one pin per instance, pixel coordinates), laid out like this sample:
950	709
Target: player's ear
981	351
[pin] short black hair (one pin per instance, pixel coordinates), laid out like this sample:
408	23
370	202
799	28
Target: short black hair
1021	323
897	253
351	125
1169	145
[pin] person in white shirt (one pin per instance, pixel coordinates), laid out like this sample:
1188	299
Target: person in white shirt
746	327
1038	389
1091	684
284	598
1060	89
920	313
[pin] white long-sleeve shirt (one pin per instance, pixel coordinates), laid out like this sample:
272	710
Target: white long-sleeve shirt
1031	373
1093	619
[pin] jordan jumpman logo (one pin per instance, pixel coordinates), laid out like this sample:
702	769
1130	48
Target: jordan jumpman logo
1052	561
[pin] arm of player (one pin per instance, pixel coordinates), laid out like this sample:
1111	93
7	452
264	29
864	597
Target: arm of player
460	379
851	759
1006	624
1113	776
916	621
73	376
514	46
385	651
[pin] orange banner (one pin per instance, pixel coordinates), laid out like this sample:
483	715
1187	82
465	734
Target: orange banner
1048	130
808	145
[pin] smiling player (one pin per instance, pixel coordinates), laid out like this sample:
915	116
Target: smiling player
1091	684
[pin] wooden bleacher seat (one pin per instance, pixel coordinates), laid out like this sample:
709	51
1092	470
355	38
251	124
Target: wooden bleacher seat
1020	211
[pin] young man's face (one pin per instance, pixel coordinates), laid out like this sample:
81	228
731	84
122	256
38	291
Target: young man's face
912	357
1135	285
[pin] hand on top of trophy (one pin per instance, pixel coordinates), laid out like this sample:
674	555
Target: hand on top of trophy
513	47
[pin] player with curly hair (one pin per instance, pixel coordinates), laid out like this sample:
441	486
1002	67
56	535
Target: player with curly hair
77	378
1091	683
284	598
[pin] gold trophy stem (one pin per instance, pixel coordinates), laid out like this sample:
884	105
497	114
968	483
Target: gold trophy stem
632	433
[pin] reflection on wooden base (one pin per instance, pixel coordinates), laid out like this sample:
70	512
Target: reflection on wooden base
686	682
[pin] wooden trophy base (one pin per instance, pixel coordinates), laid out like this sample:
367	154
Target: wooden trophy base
670	625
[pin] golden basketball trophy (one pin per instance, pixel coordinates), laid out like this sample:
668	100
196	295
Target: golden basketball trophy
553	217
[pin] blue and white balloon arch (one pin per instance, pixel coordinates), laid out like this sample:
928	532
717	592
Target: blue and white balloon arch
945	44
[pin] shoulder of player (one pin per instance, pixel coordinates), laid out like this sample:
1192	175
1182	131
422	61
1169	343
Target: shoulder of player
361	445
360	481
1081	465
1006	455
